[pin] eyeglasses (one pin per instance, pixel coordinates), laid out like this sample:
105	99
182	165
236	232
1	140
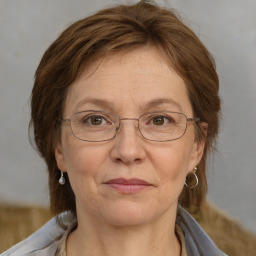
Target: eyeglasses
96	126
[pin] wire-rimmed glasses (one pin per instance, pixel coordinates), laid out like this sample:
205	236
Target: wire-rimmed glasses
97	126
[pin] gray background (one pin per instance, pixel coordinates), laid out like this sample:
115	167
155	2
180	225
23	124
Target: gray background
228	29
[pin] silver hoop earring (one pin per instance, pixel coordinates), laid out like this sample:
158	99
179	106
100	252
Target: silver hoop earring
194	173
62	179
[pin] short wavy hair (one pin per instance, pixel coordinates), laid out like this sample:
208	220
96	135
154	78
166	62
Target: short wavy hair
122	28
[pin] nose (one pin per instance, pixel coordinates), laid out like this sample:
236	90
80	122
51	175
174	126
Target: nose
128	145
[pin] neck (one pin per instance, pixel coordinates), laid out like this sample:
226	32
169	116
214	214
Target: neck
100	239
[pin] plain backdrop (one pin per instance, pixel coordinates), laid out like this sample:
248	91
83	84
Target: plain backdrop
227	28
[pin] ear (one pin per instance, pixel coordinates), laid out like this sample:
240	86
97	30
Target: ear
60	158
198	148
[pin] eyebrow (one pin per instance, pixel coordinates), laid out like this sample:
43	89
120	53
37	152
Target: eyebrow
110	105
160	101
98	102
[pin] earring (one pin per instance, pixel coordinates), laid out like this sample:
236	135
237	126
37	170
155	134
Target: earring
62	179
194	173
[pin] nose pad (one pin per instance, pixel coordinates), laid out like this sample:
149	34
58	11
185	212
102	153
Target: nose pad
117	129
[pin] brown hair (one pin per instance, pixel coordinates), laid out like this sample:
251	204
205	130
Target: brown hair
121	28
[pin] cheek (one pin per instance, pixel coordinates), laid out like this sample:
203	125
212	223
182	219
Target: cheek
172	162
171	175
81	157
84	164
84	168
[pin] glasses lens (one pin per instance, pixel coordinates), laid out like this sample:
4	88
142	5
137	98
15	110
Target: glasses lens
163	126
94	125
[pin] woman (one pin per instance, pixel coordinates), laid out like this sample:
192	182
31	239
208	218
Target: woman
125	109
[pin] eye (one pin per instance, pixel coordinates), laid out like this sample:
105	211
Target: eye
95	120
160	120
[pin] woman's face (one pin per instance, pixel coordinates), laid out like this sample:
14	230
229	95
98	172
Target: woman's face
129	85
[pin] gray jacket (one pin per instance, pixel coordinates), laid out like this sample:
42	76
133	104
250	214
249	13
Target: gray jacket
45	241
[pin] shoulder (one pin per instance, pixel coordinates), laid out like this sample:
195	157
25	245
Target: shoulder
44	241
196	240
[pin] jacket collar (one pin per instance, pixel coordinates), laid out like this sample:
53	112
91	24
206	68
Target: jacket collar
196	240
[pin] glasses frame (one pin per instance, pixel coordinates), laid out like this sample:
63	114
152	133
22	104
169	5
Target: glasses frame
117	128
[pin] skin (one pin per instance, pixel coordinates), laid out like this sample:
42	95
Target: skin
110	222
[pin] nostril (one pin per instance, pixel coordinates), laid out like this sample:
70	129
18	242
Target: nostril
118	160
138	160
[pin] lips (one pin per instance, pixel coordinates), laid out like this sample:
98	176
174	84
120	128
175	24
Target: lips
127	182
128	186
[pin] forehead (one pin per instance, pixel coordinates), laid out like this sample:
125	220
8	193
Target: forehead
129	81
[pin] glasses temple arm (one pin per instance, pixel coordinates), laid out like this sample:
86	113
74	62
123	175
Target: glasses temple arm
195	119
64	120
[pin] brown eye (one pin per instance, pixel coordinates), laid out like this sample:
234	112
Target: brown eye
97	120
159	120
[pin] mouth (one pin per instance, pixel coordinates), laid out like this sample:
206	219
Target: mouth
128	186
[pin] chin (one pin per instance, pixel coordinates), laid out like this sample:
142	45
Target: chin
129	214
